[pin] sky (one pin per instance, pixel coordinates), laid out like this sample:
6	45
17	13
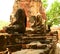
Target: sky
6	7
49	4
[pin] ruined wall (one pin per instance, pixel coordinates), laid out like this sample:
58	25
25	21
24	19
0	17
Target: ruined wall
31	7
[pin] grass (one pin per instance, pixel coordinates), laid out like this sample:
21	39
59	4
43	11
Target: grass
3	24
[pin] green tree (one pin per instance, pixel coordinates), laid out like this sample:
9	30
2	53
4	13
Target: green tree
53	15
44	3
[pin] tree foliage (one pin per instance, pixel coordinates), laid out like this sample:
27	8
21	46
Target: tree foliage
44	3
53	14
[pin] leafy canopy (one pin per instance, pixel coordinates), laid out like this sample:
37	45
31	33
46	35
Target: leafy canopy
53	14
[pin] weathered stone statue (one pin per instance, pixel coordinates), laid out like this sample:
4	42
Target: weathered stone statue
20	23
37	24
